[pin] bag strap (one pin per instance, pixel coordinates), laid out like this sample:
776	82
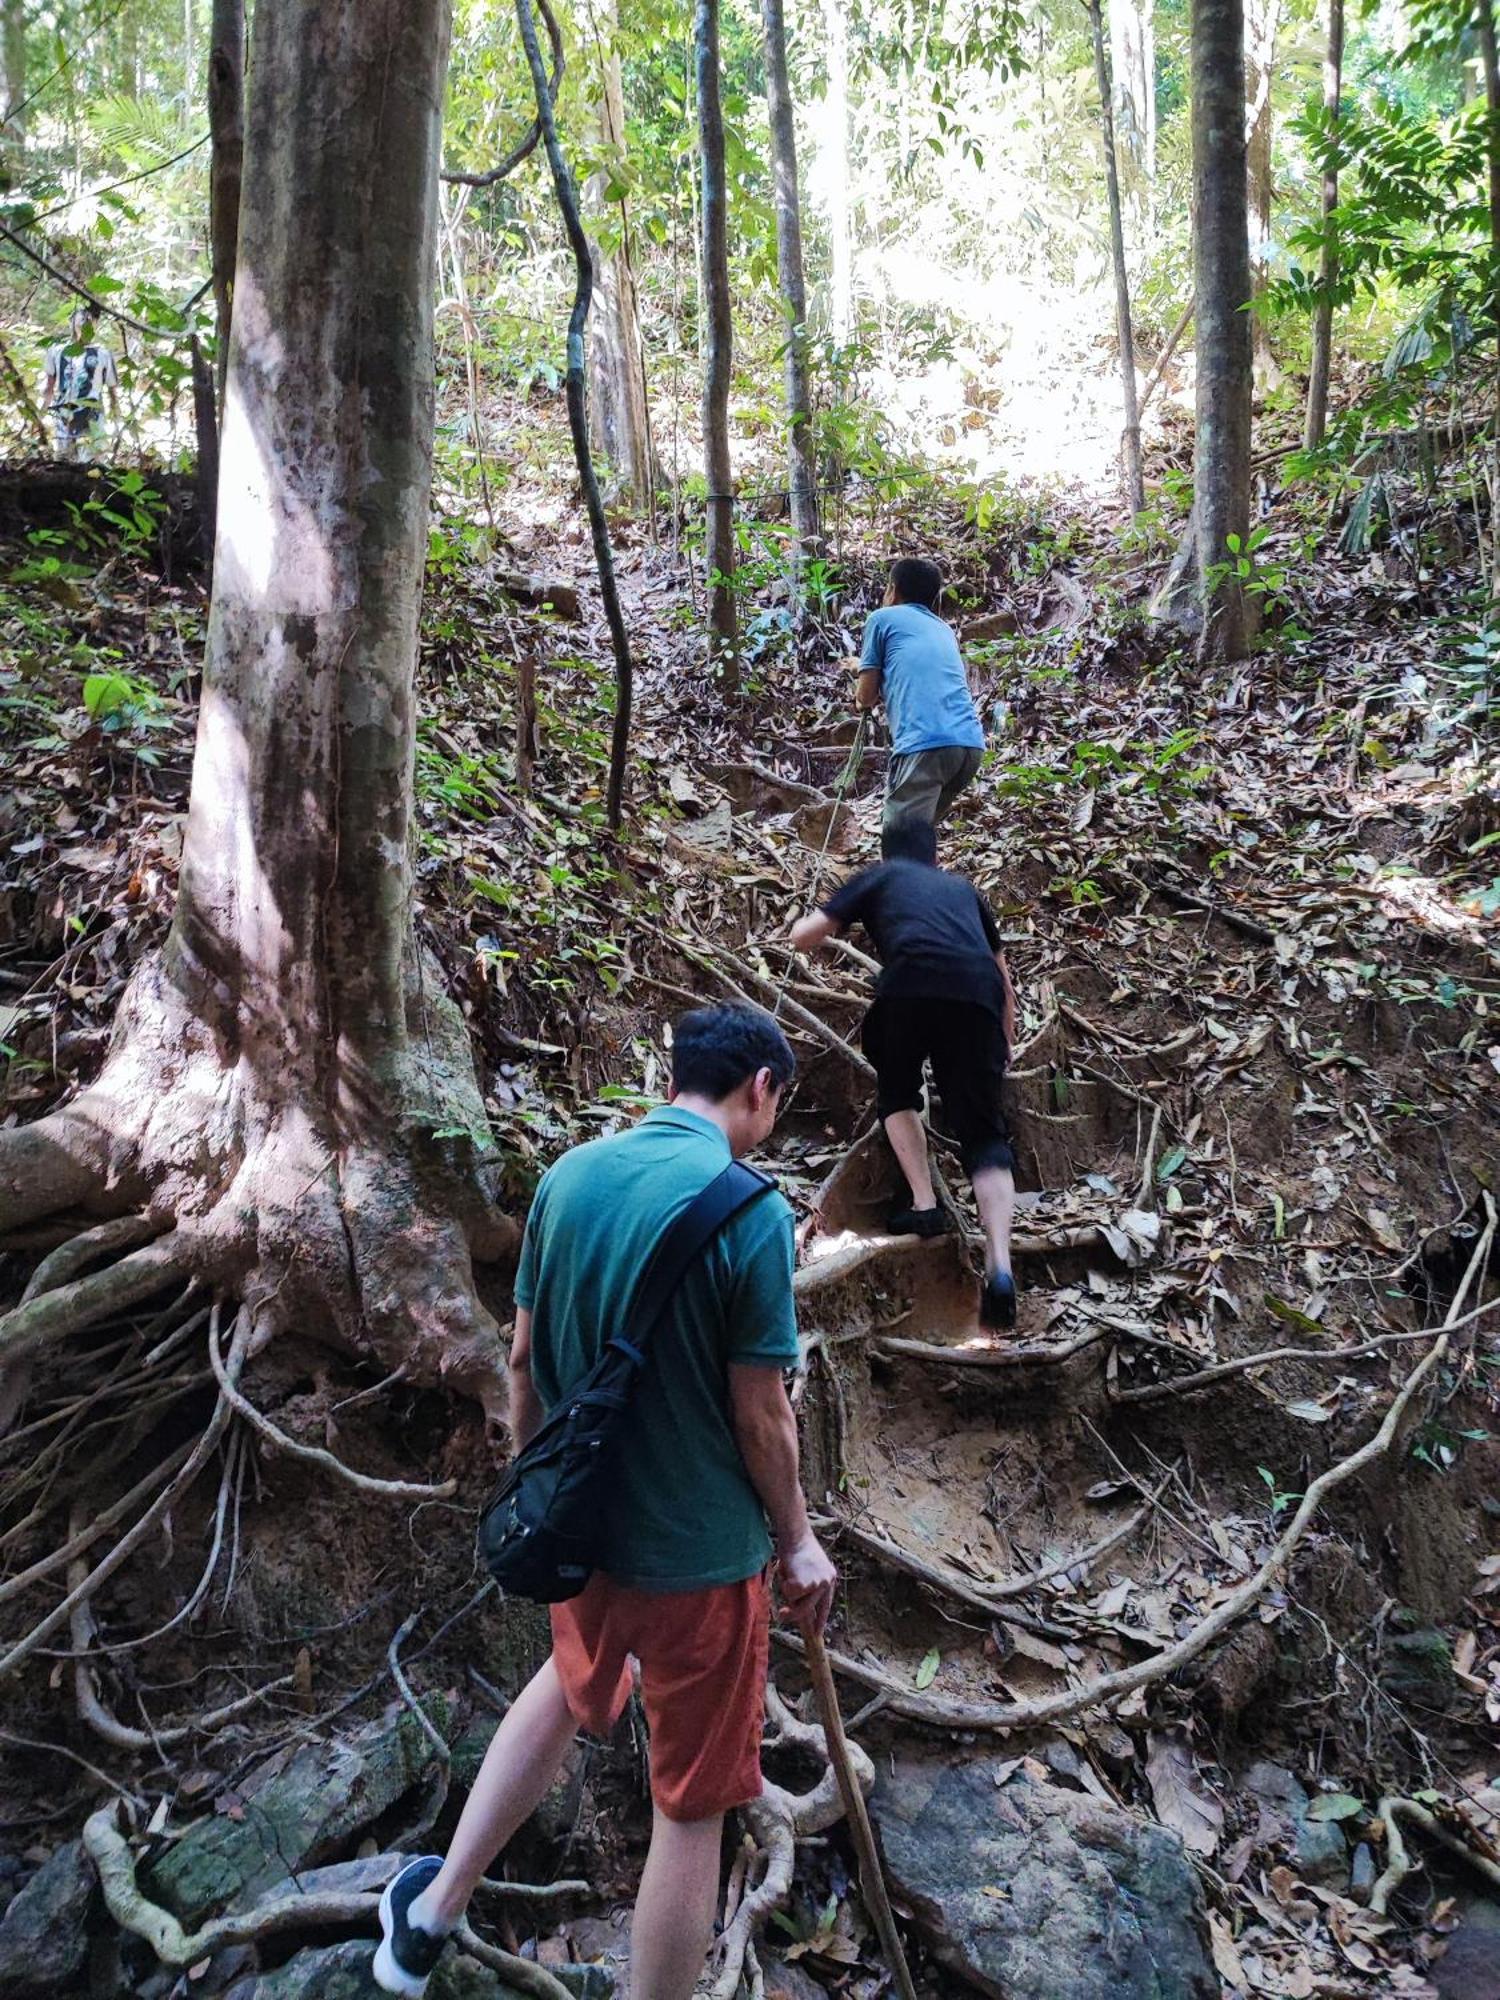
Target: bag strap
679	1249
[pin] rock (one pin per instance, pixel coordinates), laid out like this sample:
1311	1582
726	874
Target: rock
44	1933
291	1814
993	625
1030	1892
1418	1667
342	1972
1362	1873
1318	1847
789	1982
548	593
1470	1968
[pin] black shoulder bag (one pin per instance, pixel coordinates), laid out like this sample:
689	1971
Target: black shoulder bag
539	1532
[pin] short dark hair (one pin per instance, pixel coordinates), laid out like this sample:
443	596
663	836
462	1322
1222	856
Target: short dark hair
909	839
917	581
716	1049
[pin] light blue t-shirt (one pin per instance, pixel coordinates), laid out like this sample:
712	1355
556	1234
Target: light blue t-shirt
922	680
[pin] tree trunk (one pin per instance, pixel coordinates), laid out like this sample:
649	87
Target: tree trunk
1491	61
719	553
1132	52
1221	275
1328	264
617	368
1135	484
226	124
835	174
802	468
1263	18
13	34
284	1072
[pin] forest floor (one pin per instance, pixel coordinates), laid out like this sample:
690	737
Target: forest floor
1249	913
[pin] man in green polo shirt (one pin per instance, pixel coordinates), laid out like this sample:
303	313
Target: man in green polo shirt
708	1474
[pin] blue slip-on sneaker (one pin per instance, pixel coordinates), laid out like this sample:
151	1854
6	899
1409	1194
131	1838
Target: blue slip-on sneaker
998	1306
406	1955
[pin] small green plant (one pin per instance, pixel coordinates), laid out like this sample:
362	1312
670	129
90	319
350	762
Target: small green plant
1279	1501
1269	582
125	710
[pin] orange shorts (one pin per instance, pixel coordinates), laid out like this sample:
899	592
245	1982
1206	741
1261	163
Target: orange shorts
703	1656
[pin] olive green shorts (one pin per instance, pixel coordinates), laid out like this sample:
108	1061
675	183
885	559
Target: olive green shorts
923	784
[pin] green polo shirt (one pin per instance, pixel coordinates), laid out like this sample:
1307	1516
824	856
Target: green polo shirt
685	1515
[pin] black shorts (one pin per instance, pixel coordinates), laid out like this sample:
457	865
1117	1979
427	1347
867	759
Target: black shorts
966	1045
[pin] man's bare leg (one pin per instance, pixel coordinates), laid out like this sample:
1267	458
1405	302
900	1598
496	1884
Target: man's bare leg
516	1774
908	1138
674	1913
995	1198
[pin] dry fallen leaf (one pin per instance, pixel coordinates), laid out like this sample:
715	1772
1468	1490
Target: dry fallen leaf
1183	1801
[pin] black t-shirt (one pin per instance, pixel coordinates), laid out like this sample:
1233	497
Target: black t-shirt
933	932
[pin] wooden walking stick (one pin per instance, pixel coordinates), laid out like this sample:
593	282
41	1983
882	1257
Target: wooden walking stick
871	1876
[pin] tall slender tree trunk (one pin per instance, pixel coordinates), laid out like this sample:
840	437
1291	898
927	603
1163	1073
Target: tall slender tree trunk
13	54
1491	60
1132	61
226	125
1263	19
1221	274
802	467
718	352
281	1069
1135	485
835	174
1328	263
189	50
617	368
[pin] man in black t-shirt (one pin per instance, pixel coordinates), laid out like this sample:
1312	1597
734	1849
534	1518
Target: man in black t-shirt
944	993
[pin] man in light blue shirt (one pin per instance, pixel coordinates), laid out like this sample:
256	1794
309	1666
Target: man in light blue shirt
910	661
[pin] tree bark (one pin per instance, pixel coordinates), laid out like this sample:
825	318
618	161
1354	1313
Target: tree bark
1263	18
287	1080
617	368
1132	51
836	174
1491	62
13	36
1328	263
1221	275
802	468
1135	484
719	552
226	125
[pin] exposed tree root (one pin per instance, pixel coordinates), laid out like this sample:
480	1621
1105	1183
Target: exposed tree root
349	1217
989	1597
73	1308
110	1853
777	1820
1398	1860
199	1456
937	1711
71	1259
523	1973
1222	1371
84	1538
994	1355
363	1482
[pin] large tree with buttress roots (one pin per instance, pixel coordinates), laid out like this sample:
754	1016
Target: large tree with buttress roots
270	1116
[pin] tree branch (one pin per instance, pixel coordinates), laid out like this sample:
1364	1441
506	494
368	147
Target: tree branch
533	137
